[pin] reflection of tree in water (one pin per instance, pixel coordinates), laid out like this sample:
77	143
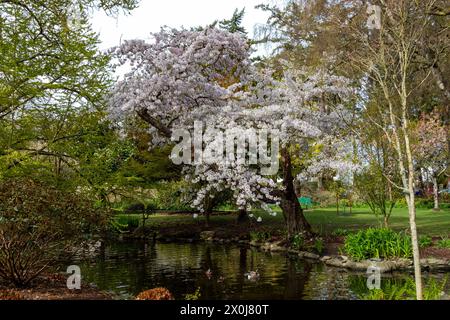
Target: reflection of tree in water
208	285
147	257
296	277
134	267
242	269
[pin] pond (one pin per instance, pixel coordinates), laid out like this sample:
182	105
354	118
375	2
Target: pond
129	268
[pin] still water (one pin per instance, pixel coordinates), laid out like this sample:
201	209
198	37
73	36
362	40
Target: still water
129	268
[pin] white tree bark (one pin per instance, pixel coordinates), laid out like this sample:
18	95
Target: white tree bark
435	193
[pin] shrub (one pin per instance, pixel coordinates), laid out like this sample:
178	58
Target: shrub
401	203
377	243
444	243
424	203
425	241
155	294
38	223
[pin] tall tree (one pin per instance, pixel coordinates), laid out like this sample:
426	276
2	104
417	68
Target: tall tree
400	66
207	75
387	58
234	24
52	77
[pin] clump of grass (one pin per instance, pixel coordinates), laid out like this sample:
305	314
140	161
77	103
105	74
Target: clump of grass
425	241
444	242
378	243
126	222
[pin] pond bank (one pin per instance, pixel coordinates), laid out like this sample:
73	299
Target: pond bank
340	261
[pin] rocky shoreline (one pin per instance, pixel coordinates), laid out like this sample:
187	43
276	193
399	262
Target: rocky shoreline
341	261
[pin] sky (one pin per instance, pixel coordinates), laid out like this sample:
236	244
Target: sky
152	14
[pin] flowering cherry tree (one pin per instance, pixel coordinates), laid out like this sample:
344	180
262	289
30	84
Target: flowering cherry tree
180	76
183	77
431	149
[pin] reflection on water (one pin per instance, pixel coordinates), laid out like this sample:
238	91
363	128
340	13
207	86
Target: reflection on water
129	268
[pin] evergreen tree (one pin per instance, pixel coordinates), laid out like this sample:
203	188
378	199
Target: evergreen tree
234	25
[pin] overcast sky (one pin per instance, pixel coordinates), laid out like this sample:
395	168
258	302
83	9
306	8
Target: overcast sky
152	14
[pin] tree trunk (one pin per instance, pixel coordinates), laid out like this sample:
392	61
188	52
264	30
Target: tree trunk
435	193
292	211
207	216
337	203
208	207
242	216
386	221
421	182
412	211
415	245
320	182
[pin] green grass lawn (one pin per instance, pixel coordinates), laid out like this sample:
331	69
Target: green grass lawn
325	220
428	221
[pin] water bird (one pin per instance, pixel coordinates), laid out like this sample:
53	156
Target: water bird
252	275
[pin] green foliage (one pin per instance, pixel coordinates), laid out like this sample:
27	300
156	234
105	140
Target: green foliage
376	190
298	241
421	203
260	236
401	203
126	222
171	196
53	81
319	245
407	291
193	296
425	241
378	243
424	203
445	206
444	242
234	25
38	223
